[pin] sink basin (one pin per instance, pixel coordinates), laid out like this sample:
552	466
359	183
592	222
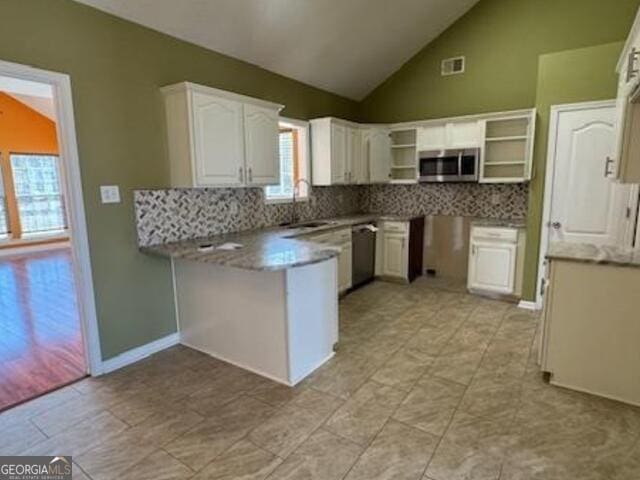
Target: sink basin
309	225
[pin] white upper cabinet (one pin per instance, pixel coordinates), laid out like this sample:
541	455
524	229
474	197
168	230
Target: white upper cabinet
625	161
218	138
261	145
432	137
442	136
359	167
345	153
508	148
379	154
464	134
339	152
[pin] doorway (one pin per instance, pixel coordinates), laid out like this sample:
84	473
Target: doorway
582	205
48	330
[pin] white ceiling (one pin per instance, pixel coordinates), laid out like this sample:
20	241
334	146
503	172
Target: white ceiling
36	95
343	46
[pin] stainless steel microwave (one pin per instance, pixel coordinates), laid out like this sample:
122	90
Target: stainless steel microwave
459	165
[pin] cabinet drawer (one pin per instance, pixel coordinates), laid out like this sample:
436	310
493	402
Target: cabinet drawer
491	233
396	227
342	236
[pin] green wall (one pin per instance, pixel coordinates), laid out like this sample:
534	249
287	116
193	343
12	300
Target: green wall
520	54
116	68
502	40
564	77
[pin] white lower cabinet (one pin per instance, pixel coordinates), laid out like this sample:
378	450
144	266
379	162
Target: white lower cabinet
493	260
394	255
492	267
339	239
345	267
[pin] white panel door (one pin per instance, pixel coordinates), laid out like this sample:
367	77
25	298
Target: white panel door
218	141
262	145
492	266
339	153
586	206
394	255
379	153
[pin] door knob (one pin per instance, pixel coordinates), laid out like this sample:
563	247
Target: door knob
556	225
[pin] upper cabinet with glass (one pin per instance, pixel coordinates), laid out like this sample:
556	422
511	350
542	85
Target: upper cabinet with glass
218	138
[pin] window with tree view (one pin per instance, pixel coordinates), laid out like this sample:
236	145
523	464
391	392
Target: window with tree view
292	164
288	156
38	193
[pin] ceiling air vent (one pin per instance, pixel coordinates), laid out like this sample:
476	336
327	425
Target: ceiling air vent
452	66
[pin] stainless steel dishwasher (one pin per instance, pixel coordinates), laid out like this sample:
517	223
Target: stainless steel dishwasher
363	238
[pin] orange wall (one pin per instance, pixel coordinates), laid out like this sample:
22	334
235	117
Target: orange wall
23	130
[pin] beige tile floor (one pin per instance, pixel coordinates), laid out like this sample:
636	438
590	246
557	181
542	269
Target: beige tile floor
429	383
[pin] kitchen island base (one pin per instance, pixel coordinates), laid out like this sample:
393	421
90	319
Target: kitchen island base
280	324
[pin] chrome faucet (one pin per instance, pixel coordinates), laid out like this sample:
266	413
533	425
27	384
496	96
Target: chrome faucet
294	217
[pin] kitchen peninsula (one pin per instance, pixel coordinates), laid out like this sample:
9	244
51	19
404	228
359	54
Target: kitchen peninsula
269	306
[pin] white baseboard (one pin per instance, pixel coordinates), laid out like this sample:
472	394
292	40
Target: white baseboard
138	353
525	305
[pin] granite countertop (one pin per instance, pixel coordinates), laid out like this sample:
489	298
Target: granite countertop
266	249
589	253
499	223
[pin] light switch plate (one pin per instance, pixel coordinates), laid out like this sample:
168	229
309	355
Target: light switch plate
110	193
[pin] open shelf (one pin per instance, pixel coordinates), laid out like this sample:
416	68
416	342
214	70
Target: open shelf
507	150
507	139
404	137
507	127
514	162
403	167
405	145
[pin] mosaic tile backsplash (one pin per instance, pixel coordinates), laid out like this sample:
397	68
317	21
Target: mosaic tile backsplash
508	201
178	214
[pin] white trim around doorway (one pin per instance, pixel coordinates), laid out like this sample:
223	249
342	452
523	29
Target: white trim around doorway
554	115
66	131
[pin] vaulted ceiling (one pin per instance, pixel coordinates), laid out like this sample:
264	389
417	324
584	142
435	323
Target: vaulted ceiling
347	47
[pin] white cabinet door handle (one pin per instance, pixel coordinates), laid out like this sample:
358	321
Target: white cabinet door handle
240	174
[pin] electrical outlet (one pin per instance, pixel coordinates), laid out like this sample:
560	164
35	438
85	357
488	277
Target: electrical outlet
110	193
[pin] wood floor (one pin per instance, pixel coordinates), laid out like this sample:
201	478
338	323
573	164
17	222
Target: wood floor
40	337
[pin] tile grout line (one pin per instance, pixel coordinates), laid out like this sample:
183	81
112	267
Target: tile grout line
400	403
520	402
424	472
